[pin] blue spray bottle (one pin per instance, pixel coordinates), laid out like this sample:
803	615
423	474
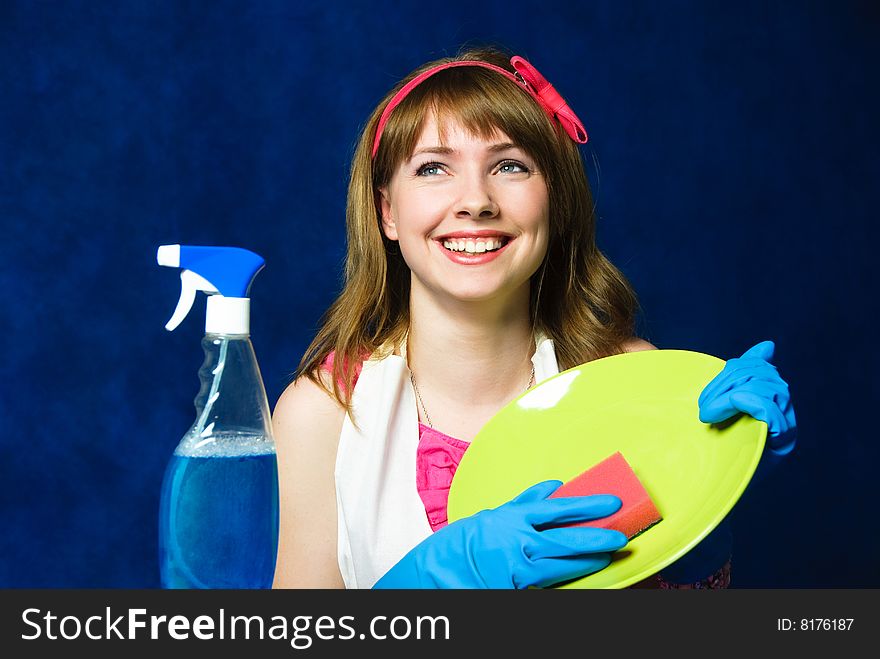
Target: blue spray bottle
218	518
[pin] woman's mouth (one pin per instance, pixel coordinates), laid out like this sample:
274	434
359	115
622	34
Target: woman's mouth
473	250
474	245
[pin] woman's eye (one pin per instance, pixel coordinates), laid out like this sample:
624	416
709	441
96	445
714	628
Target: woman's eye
512	167
429	169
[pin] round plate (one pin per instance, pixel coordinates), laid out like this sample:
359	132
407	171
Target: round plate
643	404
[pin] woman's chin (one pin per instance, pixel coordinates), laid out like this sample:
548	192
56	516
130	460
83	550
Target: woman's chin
487	294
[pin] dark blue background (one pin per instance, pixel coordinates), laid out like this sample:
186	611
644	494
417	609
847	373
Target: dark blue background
733	153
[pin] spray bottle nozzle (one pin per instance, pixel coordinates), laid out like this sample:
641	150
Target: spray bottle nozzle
224	273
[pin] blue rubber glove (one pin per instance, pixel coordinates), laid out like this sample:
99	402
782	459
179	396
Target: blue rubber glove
511	546
751	384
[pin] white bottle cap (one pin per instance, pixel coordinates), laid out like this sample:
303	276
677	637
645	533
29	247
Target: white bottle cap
228	315
168	255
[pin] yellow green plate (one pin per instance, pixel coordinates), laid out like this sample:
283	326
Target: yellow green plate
643	404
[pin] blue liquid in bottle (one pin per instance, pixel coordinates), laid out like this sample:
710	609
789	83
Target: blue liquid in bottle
219	514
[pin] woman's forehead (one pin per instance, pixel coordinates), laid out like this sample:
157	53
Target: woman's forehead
446	130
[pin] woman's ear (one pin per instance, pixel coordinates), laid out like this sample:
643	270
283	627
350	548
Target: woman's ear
388	225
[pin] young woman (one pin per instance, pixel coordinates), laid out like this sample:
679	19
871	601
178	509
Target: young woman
472	274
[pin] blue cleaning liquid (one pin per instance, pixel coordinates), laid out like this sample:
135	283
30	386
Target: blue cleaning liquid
218	520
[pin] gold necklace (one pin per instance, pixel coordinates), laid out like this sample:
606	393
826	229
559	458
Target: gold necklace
412	377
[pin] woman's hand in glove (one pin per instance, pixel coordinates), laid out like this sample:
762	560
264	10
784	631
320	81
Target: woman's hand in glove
751	384
513	545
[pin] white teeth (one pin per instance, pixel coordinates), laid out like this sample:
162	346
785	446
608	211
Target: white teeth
473	246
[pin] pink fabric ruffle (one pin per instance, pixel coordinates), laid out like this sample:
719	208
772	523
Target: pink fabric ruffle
327	365
437	458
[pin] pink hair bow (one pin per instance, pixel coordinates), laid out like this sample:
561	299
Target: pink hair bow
550	99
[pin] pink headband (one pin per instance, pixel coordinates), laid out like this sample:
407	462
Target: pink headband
526	75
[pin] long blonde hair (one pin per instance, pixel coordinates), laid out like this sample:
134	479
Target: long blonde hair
578	298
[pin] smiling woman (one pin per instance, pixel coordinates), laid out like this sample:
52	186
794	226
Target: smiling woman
472	273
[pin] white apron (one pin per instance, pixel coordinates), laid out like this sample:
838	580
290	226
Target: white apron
380	513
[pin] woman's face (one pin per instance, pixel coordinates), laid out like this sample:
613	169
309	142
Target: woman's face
471	216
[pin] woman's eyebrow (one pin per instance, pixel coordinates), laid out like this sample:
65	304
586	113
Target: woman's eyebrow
445	150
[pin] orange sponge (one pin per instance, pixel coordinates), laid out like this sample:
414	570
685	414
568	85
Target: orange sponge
614	476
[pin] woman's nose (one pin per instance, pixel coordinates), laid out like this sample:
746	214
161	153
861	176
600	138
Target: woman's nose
476	200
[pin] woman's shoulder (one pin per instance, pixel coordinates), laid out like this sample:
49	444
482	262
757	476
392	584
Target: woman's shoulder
635	344
305	409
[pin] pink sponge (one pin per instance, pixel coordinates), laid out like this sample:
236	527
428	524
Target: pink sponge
614	476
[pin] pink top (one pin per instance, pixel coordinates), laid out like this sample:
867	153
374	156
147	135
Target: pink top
437	458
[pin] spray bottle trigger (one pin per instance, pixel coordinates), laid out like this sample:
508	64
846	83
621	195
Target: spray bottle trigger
190	282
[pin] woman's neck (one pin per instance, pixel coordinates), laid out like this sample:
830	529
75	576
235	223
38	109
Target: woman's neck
469	356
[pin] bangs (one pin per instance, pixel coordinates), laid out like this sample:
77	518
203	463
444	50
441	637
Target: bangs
482	101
